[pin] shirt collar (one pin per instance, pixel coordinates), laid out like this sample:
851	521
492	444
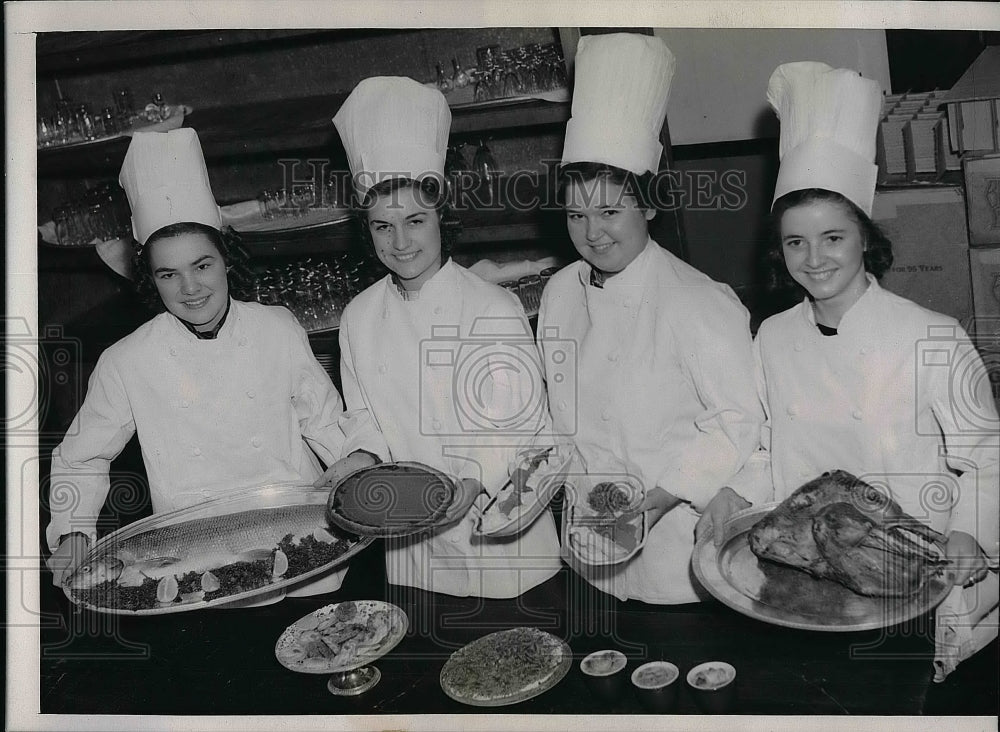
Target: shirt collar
629	277
856	313
208	335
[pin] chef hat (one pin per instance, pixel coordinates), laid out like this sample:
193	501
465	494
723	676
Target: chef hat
829	119
619	101
166	181
394	127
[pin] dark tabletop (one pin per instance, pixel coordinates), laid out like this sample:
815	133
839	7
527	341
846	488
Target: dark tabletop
213	662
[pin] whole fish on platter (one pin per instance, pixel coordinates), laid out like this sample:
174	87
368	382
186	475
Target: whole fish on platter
227	549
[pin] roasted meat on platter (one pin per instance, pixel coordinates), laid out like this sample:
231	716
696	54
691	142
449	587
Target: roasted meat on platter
838	527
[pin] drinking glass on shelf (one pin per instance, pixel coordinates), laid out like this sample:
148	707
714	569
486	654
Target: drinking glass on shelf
266	211
485	166
303	196
65	226
460	79
443	82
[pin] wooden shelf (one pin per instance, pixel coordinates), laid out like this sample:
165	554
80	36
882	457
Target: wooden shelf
270	128
73	53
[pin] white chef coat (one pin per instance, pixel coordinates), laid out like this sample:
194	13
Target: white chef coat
407	367
212	416
890	399
664	387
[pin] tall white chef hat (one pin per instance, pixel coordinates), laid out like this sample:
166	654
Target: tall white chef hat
394	127
166	181
622	82
829	118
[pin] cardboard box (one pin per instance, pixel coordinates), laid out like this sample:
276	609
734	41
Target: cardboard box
973	105
982	194
930	247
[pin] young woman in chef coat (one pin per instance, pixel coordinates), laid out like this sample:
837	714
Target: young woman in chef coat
856	377
223	394
663	388
406	343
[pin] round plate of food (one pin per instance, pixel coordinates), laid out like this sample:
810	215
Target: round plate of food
341	637
506	667
391	499
230	549
819	562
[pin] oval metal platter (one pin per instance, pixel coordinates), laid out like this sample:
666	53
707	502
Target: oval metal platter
785	596
262	498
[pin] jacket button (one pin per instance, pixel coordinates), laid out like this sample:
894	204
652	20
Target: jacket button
185	404
864	351
629	302
797	346
243	341
436	424
196	451
605	415
438	310
255	442
381	368
562	405
251	394
857	414
173	351
613	356
792	411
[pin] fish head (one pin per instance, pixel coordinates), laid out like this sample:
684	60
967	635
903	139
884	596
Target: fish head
93	573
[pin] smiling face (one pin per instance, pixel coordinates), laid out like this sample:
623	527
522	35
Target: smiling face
824	249
406	234
608	227
190	275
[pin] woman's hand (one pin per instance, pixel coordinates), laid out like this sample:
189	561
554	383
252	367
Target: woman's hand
68	556
968	561
719	509
344	467
468	489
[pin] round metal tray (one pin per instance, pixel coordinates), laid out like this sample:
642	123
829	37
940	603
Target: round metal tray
397	630
391	500
565	661
789	597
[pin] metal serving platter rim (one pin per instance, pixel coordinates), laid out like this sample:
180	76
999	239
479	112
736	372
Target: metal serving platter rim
711	567
391	641
277	493
565	662
383	532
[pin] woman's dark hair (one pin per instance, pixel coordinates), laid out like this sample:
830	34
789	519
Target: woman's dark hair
640	187
432	190
878	249
242	281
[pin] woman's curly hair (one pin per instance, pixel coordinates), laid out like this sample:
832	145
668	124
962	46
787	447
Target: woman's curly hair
640	187
241	279
432	190
878	249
